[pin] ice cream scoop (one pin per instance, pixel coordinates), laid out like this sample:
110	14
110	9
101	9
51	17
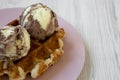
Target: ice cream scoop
39	20
14	43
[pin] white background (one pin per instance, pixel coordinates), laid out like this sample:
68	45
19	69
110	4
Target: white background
98	23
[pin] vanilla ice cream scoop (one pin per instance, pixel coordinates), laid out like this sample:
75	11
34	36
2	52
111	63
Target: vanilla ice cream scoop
14	43
39	20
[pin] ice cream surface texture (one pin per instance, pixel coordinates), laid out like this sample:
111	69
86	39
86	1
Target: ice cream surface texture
14	43
39	20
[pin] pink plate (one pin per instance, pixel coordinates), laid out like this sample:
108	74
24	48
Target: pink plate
70	65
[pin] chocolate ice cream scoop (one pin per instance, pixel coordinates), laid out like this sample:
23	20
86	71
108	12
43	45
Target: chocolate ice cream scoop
14	43
39	20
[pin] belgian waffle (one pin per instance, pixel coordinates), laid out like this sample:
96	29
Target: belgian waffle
41	56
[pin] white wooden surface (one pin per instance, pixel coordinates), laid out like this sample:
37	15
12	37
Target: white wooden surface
98	23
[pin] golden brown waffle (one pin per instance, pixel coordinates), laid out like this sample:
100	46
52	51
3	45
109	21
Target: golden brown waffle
40	57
